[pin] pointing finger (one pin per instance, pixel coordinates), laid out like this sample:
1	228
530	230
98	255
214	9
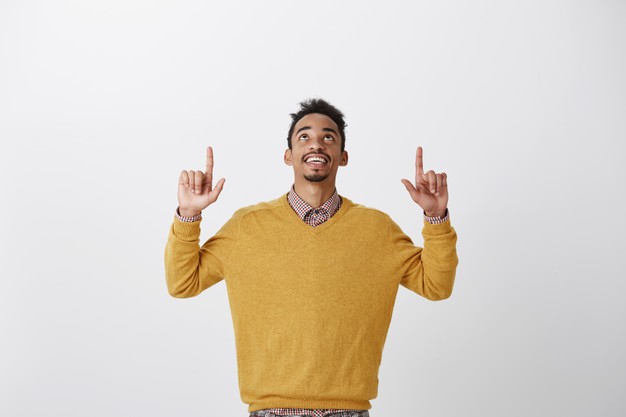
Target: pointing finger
419	162
209	165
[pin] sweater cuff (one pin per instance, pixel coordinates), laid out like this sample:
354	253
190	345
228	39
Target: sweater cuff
189	231
189	219
437	229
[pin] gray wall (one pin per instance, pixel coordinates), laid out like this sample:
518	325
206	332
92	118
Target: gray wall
522	104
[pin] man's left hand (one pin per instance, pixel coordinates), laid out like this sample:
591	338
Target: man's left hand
430	190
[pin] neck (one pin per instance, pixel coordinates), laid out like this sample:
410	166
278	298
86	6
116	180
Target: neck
314	193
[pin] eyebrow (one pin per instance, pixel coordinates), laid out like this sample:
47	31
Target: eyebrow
325	129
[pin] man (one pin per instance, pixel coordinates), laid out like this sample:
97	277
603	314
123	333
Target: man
311	276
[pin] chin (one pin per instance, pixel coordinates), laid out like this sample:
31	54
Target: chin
315	178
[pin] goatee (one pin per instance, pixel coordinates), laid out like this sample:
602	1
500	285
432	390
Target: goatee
315	177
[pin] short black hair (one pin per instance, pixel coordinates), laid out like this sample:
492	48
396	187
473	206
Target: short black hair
318	105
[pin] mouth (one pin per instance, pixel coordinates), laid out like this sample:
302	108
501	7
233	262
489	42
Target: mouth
316	161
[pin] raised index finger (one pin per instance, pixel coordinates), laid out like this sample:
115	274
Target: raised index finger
209	164
419	162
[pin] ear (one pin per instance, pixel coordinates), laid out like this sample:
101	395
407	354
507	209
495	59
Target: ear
344	159
287	157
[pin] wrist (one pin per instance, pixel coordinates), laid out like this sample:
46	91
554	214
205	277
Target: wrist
188	212
438	219
435	213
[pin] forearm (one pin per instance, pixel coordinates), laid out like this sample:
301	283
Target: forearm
182	259
189	268
439	260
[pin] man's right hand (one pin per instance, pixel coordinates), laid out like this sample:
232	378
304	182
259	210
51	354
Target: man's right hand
195	188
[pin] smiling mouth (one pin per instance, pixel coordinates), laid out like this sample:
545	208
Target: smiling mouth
316	161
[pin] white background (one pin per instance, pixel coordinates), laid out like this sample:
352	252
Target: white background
521	103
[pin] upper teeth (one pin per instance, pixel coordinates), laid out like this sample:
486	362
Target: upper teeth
316	158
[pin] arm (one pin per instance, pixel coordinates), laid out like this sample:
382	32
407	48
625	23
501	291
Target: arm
428	271
190	269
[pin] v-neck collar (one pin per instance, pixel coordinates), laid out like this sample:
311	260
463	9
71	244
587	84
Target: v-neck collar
294	218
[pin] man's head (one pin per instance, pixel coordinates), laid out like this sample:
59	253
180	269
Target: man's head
317	105
316	142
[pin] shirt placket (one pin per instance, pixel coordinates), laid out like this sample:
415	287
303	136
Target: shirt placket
316	217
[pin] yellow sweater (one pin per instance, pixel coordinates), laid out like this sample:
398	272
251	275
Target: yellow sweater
310	306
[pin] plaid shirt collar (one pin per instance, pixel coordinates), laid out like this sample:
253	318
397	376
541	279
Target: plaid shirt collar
309	214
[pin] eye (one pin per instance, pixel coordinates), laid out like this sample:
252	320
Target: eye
329	137
304	137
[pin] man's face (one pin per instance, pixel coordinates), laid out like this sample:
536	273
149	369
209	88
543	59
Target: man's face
316	149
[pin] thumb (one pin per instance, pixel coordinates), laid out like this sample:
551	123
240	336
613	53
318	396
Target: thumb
218	187
410	188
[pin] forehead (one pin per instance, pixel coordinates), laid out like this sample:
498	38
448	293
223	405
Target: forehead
316	120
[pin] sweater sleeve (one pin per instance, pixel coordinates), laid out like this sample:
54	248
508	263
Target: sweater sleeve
427	271
189	268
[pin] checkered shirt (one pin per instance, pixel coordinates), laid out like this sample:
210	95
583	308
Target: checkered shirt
303	411
311	215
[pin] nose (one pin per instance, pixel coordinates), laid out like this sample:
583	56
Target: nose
316	143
